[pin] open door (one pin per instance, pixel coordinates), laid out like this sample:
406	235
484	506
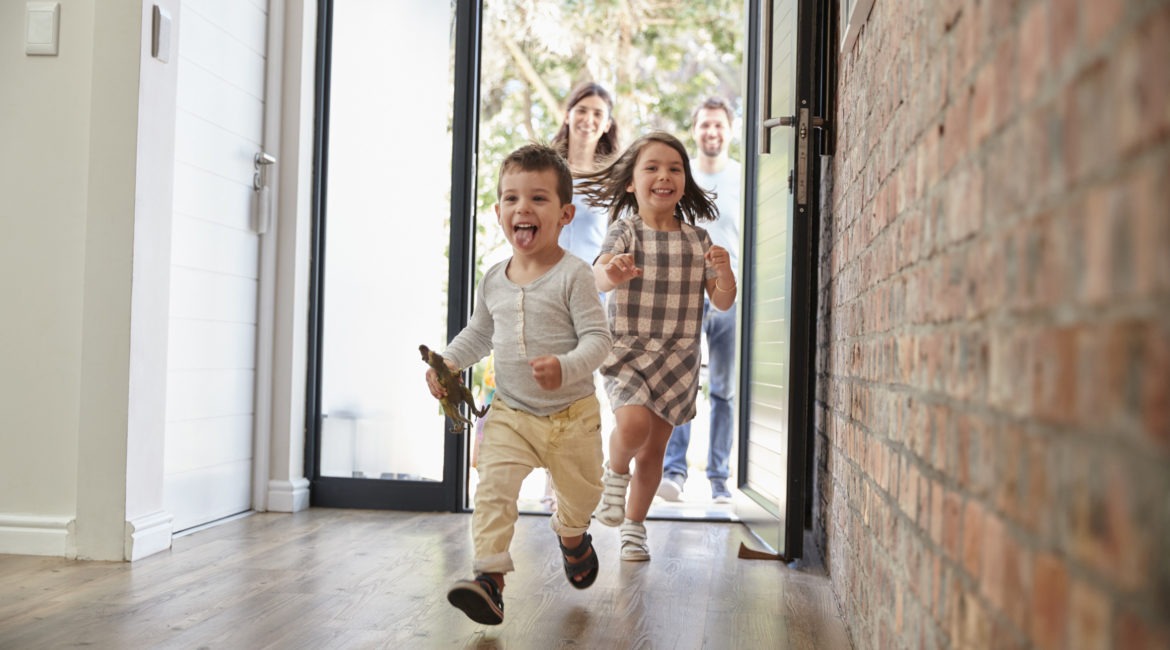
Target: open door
391	245
779	291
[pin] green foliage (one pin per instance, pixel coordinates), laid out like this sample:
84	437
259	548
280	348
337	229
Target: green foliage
658	58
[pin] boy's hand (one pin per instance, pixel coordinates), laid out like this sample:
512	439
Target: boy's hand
433	383
621	268
546	371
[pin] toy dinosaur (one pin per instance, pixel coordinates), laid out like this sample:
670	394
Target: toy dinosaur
457	393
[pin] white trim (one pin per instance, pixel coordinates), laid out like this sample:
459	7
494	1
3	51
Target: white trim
854	14
148	535
288	496
36	535
262	430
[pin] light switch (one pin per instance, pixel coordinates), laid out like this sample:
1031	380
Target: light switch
41	28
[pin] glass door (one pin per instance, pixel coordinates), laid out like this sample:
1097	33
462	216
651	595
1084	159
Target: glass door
390	248
779	293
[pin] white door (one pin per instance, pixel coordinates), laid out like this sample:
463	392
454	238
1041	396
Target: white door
215	261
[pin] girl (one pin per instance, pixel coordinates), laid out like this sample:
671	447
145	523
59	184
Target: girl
658	266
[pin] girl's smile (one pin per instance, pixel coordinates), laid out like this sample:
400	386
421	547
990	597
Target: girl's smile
658	183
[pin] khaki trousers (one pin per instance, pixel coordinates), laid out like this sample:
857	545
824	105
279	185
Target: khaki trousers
514	443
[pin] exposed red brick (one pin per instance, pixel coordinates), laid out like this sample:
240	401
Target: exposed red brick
995	325
1054	392
1099	20
991	577
1090	618
1032	47
1049	602
1137	632
974	514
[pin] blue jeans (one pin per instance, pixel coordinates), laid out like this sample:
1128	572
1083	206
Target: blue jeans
719	327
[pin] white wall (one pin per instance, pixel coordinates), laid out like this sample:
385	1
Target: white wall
85	196
44	179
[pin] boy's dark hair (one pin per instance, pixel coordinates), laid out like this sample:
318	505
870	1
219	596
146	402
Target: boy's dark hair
607	187
714	103
607	146
537	157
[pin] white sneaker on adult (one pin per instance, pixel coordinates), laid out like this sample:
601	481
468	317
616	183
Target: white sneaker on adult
671	487
719	491
634	546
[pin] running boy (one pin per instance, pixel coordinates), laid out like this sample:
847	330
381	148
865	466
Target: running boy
659	266
540	313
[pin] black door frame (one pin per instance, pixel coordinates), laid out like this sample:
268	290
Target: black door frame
816	19
805	245
447	495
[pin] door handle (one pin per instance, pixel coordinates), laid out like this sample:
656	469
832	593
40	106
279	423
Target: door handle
769	124
261	194
802	123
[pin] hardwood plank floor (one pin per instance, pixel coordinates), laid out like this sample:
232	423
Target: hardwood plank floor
327	578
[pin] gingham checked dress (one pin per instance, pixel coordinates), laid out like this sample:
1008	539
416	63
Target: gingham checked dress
656	319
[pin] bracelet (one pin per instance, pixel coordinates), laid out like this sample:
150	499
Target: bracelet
719	288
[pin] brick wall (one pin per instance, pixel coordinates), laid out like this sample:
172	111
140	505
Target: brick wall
993	400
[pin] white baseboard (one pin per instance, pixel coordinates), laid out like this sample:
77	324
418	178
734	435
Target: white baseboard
36	535
288	496
148	534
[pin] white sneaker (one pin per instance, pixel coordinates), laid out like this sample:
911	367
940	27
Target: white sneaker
671	487
612	509
634	546
719	491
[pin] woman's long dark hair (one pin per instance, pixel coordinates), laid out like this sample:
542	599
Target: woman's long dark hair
607	146
606	188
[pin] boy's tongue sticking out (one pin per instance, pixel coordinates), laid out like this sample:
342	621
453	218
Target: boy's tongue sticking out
523	235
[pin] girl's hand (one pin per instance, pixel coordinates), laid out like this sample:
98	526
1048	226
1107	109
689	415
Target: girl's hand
622	269
719	259
546	370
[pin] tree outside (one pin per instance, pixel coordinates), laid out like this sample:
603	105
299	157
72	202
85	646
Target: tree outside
658	58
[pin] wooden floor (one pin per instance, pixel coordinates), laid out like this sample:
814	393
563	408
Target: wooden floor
328	578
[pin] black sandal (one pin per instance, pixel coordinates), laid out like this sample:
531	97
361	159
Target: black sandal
480	599
586	569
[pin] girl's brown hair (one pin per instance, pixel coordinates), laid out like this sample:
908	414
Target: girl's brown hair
606	188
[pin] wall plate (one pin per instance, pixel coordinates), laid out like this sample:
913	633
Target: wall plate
42	28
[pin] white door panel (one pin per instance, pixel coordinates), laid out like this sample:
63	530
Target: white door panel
227	106
213	149
208	196
208	442
204	345
209	394
247	24
211	47
202	295
198	497
216	248
215	261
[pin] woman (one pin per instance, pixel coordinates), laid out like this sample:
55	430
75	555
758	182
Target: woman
588	138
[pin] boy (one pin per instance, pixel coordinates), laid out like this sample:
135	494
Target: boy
539	312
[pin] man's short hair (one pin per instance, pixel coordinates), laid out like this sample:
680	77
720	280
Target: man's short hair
712	103
538	157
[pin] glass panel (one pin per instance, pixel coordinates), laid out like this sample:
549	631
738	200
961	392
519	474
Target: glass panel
386	237
767	446
532	56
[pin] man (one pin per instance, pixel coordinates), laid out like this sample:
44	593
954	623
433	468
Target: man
716	172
